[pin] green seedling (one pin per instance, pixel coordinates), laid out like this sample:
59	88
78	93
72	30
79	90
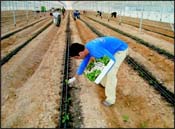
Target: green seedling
93	75
68	100
141	74
125	118
151	82
144	124
105	60
65	118
90	66
66	81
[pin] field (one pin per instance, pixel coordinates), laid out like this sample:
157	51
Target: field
33	77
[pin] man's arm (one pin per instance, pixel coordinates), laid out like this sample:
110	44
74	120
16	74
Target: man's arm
80	69
83	65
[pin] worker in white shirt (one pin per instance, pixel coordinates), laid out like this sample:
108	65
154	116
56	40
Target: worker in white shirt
56	17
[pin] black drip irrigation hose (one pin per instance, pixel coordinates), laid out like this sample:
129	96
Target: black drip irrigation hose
169	96
16	50
150	30
64	104
138	40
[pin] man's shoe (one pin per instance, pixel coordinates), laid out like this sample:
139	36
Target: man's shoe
106	103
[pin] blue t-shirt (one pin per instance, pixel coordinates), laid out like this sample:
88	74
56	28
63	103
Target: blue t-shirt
100	47
76	13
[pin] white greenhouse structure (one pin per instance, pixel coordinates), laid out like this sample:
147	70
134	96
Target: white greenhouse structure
87	64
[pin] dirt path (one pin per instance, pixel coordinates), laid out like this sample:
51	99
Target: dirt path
31	82
135	99
9	44
159	66
154	27
7	23
153	38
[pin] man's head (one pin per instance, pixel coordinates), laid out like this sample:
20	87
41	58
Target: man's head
78	51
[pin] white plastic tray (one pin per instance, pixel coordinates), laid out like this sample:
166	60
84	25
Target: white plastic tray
104	69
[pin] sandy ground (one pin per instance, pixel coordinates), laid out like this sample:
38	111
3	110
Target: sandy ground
9	44
7	19
135	99
158	65
153	38
154	26
31	86
31	82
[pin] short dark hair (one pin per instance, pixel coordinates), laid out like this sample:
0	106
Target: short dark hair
75	48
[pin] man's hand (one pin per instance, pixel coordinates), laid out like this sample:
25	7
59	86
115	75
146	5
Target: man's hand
71	80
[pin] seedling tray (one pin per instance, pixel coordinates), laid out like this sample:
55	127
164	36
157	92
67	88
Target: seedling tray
96	70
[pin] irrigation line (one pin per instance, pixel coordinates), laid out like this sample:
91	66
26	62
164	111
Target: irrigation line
149	29
12	33
169	96
64	115
136	25
138	40
16	50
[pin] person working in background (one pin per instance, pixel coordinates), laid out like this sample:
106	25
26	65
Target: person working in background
76	14
112	47
56	17
99	13
114	14
63	11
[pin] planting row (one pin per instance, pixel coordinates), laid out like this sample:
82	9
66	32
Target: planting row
151	60
31	81
137	103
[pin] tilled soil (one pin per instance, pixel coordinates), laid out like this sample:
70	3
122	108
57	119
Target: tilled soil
135	99
161	67
7	21
160	28
31	82
151	37
12	42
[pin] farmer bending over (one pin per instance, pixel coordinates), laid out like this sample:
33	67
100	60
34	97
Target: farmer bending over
112	47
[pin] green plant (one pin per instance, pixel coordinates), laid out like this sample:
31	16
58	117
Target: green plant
125	118
90	66
144	124
141	74
105	60
65	118
151	82
66	81
68	100
93	75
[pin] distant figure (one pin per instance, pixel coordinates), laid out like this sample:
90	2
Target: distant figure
76	14
56	17
84	12
99	13
63	11
114	14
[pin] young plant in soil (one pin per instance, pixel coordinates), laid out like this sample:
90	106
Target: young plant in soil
144	124
125	118
66	81
66	117
93	70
